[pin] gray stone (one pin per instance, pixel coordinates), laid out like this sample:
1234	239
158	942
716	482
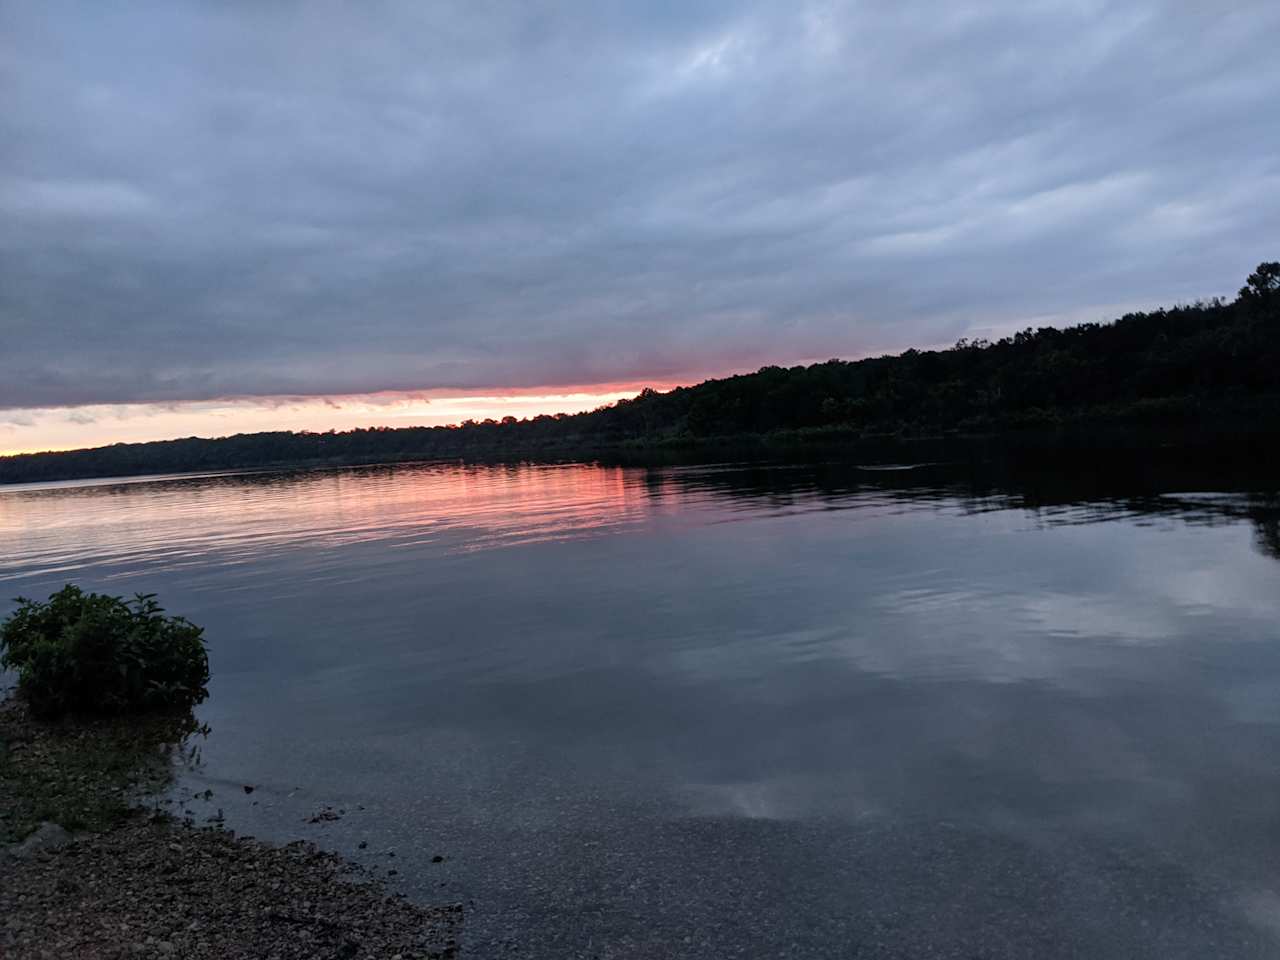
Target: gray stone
47	836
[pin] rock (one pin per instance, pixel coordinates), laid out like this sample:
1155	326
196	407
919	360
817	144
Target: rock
47	836
248	789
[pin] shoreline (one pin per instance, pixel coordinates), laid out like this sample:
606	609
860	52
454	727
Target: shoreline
1048	438
1047	449
127	880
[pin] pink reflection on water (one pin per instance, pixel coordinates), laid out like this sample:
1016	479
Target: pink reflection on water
231	518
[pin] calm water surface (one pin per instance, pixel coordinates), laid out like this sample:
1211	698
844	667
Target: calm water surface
812	711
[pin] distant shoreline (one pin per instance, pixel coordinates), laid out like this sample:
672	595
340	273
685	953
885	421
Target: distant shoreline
1209	438
1207	370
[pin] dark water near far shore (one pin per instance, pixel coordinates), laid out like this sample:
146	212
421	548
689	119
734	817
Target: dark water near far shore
735	710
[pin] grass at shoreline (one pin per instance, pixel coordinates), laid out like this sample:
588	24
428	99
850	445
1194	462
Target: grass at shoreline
83	774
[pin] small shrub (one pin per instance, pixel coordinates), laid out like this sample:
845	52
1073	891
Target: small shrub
90	653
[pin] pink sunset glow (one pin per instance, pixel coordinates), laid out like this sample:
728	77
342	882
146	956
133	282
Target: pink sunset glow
69	428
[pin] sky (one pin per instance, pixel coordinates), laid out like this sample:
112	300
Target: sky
233	216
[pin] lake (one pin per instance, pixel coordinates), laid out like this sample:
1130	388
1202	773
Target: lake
733	710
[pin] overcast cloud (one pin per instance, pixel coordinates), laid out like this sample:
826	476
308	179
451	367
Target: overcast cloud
204	200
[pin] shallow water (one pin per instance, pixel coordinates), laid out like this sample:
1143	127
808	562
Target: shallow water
733	710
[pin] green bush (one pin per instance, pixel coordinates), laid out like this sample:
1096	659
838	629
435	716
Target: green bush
90	653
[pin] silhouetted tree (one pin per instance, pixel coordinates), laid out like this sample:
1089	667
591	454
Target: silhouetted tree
1263	283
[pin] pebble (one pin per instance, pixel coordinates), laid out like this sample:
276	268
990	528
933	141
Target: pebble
222	896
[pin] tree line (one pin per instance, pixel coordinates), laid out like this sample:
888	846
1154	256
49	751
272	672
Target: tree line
1209	362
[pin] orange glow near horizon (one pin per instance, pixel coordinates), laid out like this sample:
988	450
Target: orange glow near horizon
68	428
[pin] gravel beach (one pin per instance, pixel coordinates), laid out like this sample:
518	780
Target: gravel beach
156	889
136	884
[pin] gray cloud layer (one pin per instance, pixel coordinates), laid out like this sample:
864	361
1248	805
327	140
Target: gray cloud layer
221	199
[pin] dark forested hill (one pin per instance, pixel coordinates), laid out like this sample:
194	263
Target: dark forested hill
1208	363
